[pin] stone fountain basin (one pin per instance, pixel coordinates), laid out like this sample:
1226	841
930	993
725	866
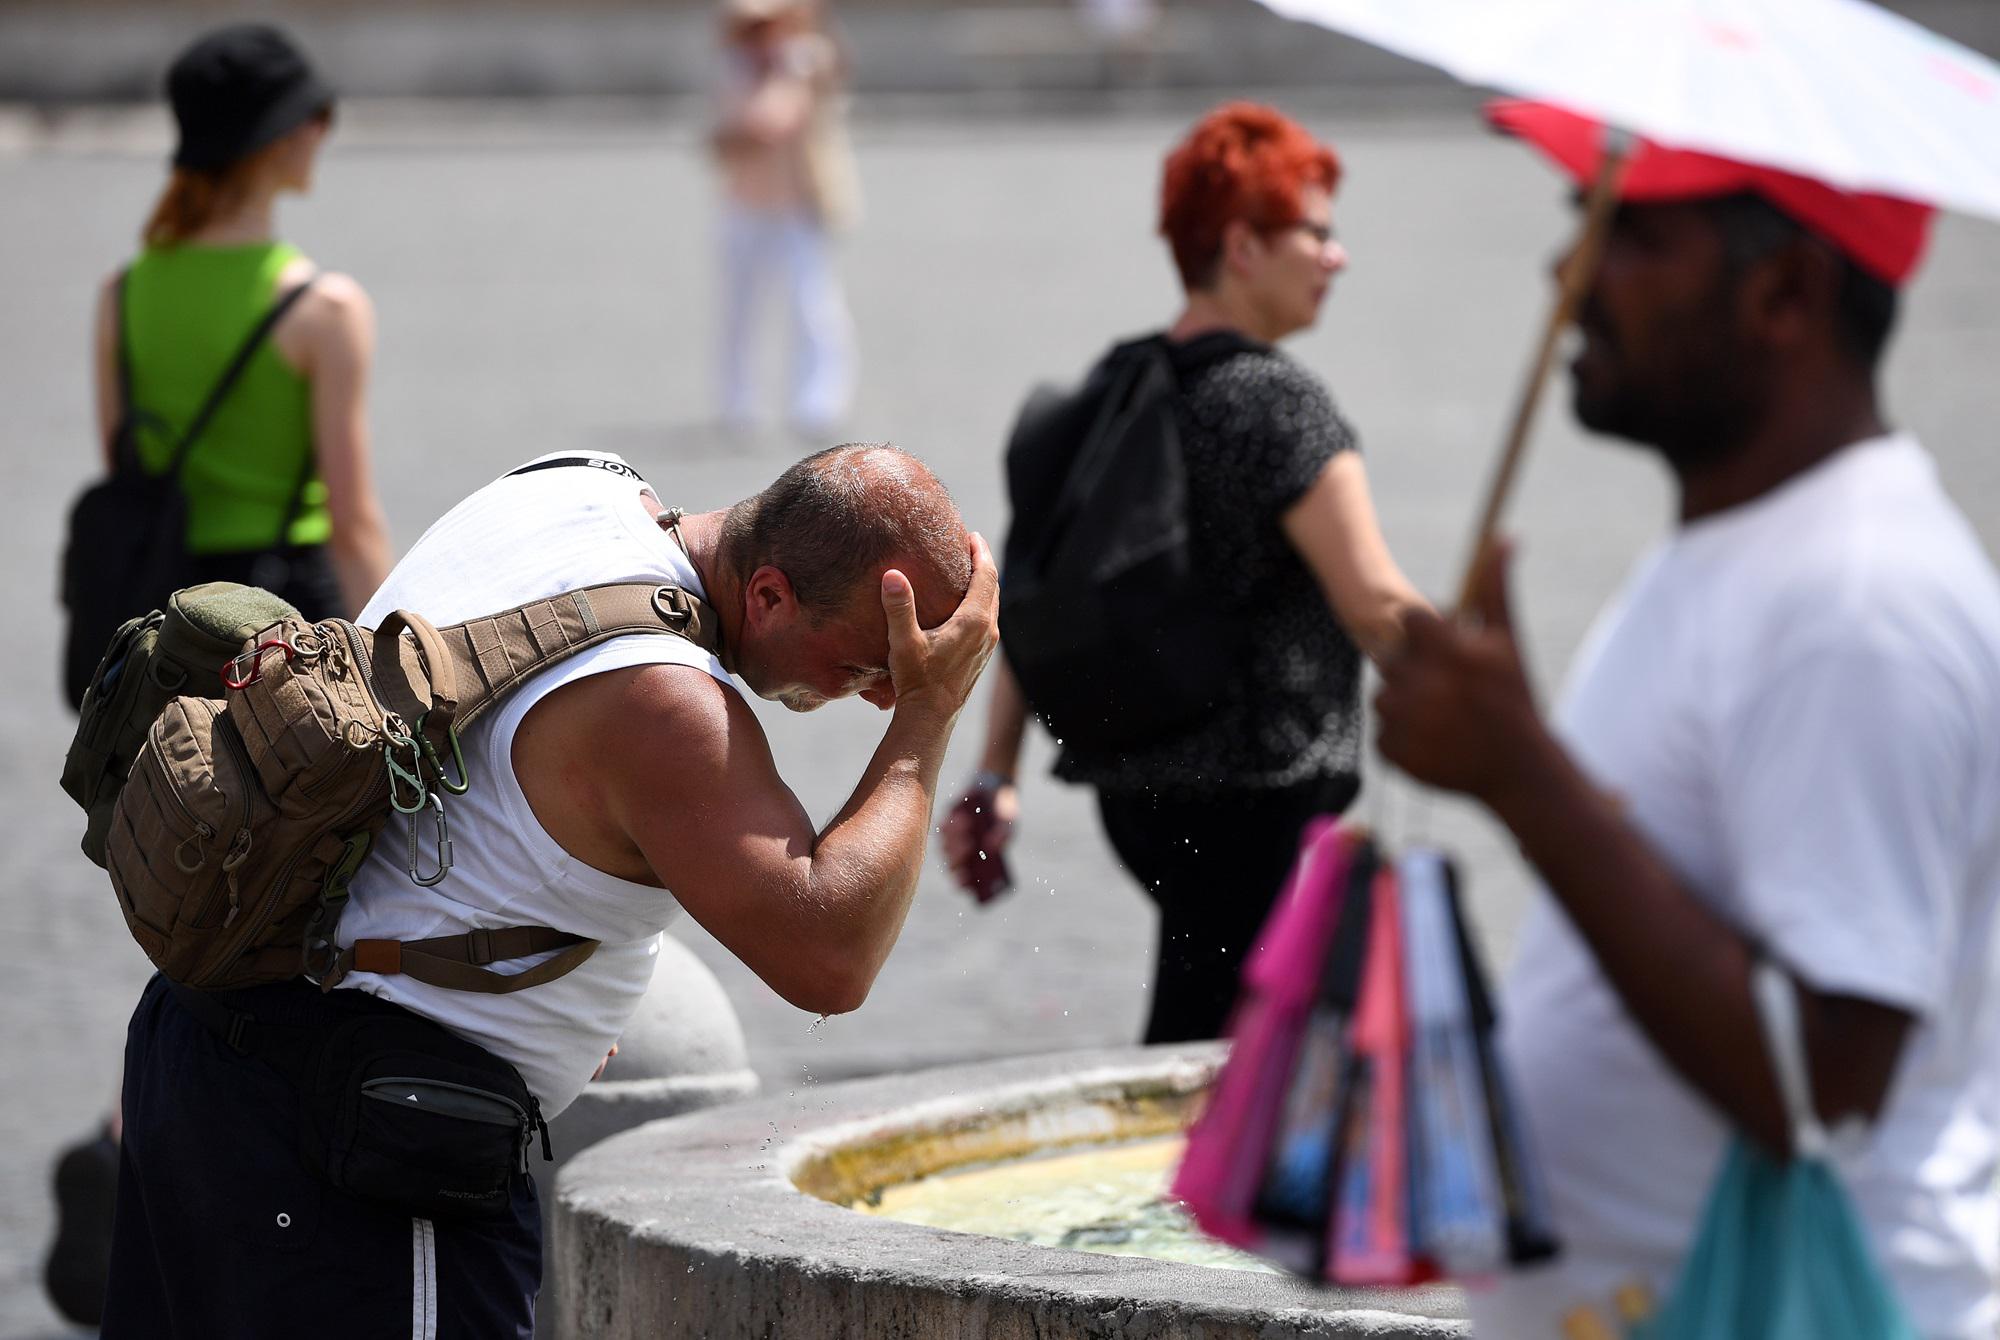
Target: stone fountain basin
731	1223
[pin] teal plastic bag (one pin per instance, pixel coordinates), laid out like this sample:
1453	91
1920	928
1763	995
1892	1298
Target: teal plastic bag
1779	1256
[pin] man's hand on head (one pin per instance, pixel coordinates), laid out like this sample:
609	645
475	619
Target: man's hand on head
936	670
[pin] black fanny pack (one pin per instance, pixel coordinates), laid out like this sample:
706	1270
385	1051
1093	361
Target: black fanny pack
392	1107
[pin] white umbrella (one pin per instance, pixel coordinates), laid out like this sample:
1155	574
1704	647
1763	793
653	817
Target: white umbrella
1838	90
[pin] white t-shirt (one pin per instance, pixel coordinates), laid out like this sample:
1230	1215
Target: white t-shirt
1799	702
518	539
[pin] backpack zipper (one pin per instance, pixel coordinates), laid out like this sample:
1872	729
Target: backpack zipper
202	828
376	797
239	846
353	636
240	841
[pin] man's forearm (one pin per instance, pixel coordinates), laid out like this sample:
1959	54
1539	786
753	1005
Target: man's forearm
1682	972
868	858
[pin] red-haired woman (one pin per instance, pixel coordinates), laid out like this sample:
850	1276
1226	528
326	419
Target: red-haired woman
279	487
278	483
1207	821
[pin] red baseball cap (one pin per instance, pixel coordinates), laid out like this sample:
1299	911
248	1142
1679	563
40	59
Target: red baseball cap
1884	235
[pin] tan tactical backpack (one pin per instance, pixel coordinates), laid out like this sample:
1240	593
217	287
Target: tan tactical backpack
232	802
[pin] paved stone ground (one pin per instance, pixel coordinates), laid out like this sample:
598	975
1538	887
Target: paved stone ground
543	277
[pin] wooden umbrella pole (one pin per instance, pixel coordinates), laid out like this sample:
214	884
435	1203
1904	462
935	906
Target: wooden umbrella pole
1576	279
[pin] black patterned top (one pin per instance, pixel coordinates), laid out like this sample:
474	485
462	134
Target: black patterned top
1256	430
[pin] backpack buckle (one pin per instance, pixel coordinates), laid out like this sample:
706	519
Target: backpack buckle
671	604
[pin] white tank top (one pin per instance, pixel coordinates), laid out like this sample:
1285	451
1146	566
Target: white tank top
518	539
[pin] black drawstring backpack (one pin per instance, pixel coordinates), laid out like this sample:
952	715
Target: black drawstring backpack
1111	625
126	550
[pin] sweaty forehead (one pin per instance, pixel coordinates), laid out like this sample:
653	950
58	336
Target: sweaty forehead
936	602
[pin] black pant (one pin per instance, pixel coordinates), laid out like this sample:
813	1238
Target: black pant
301	574
1213	867
223	1233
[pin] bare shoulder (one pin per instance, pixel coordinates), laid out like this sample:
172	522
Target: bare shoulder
336	299
623	722
332	325
670	696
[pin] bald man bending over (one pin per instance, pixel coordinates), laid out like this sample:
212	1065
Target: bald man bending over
610	789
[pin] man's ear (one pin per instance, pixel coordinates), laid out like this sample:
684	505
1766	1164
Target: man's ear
768	599
1795	293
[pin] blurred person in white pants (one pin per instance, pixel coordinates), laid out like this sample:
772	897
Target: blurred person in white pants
788	186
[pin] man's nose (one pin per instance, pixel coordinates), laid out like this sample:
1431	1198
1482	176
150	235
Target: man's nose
881	692
1333	256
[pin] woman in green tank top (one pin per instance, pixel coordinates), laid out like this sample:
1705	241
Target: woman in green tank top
278	483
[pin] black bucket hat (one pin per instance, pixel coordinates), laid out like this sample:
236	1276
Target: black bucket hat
236	90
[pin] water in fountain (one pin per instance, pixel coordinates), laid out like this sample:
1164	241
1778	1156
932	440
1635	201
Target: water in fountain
1108	1199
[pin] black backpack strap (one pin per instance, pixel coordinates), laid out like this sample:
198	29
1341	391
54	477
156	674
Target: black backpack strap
297	505
1133	365
590	462
231	374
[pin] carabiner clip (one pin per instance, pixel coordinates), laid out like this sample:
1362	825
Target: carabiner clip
443	845
464	783
234	676
401	777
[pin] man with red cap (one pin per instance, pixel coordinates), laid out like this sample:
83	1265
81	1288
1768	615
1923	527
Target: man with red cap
1780	742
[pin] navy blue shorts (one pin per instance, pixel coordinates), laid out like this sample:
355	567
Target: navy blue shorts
222	1232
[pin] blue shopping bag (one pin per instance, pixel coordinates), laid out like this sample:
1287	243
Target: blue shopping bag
1779	1254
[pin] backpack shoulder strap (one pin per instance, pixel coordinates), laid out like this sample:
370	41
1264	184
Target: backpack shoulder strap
496	653
455	674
